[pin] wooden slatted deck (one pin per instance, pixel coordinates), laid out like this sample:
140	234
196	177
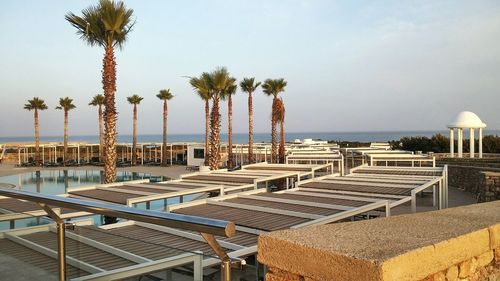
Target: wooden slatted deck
317	199
398	172
145	242
274	168
284	206
105	195
139	188
358	188
35	259
184	184
248	218
18	206
216	178
80	251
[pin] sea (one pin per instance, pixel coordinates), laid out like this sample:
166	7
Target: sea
258	137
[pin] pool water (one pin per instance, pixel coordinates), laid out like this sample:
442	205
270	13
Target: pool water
58	181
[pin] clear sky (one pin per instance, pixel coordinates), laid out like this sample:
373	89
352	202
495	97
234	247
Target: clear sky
350	65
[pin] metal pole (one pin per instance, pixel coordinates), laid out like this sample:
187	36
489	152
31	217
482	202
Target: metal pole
226	270
61	250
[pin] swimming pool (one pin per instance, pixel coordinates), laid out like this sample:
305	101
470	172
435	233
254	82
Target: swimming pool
58	181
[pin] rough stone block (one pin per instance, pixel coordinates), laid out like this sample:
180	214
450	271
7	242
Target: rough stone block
440	276
495	236
497	255
275	274
467	268
452	273
485	259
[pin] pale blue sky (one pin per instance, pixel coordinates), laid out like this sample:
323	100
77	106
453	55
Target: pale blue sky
350	65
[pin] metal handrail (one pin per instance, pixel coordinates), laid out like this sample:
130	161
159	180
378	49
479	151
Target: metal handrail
186	222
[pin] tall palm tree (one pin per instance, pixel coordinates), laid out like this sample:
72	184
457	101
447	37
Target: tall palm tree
65	104
229	91
273	87
36	104
164	95
220	80
280	118
98	100
202	86
249	86
107	25
134	100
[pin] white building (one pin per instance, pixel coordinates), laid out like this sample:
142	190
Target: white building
466	120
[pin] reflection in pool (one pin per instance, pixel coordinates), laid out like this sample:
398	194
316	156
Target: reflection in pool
58	181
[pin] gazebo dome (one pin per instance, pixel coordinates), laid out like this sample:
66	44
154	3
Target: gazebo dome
466	119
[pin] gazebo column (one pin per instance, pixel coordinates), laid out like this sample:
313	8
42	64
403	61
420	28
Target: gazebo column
471	142
460	142
452	143
480	142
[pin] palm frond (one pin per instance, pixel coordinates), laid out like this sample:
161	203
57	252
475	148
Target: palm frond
165	94
97	100
106	24
274	86
249	85
66	104
35	103
134	99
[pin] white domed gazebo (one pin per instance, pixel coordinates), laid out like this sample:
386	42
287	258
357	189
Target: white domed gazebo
466	120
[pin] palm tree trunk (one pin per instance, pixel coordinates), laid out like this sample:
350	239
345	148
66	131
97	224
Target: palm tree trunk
214	157
274	152
164	147
109	87
37	140
65	147
207	124
100	134
230	131
134	137
282	142
250	128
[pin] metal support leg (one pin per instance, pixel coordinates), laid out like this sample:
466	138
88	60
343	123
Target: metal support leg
434	196
61	250
226	270
226	263
61	246
413	202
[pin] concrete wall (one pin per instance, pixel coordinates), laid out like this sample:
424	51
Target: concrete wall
453	244
484	183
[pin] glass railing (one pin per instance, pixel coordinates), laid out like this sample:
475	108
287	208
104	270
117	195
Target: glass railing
141	245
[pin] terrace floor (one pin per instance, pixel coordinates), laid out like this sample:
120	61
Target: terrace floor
456	198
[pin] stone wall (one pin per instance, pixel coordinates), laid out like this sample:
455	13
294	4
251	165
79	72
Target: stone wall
484	183
453	244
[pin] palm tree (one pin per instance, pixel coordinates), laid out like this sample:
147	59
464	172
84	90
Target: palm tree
274	87
36	104
220	82
228	93
164	95
134	100
98	100
202	86
249	86
280	118
65	104
107	25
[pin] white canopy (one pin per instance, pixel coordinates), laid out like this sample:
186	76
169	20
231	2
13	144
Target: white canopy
467	119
